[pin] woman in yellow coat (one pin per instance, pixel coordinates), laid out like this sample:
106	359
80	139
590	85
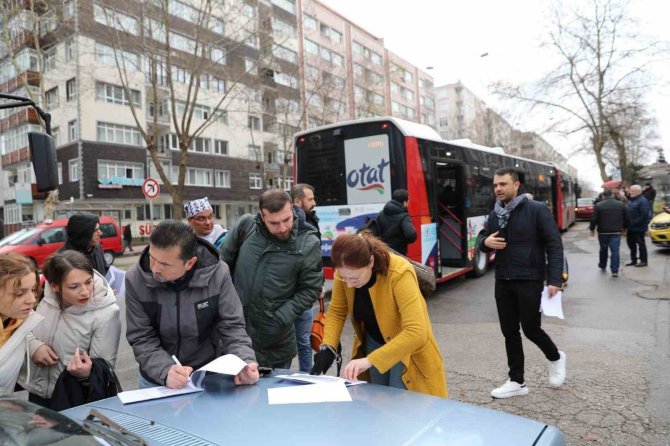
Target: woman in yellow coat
394	343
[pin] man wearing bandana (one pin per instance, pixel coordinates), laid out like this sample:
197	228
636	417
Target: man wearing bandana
528	250
200	216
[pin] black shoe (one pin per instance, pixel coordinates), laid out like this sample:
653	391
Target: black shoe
631	264
603	269
641	264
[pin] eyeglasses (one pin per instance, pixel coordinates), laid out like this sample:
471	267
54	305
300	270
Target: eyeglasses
203	218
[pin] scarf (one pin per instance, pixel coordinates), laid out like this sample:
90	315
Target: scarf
503	212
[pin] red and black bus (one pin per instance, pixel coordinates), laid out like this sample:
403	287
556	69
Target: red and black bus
354	166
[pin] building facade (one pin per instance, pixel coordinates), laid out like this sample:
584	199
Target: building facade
236	80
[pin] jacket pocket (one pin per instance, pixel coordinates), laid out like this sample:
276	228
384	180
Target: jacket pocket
425	360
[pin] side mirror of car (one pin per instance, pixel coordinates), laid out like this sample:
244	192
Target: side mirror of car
40	241
43	157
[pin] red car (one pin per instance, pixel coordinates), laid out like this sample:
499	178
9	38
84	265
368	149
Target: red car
44	239
585	208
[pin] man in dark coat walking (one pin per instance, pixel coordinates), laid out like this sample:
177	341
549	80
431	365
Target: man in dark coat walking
639	211
395	225
611	218
83	235
528	250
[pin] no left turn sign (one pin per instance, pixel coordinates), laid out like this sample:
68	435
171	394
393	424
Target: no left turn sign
151	188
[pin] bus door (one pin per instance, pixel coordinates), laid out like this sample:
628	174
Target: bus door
449	210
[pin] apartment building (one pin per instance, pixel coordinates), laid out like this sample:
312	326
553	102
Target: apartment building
263	70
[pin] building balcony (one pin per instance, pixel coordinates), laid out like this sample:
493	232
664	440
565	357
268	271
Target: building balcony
15	157
23	116
27	77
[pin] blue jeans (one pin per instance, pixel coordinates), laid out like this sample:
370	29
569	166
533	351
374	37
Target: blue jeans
611	242
143	383
392	378
303	328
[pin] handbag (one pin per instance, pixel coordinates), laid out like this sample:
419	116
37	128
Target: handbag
318	327
424	275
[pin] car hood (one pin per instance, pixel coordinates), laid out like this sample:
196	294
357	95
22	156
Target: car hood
663	217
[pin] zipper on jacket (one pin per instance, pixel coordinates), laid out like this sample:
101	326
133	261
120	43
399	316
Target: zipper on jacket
178	325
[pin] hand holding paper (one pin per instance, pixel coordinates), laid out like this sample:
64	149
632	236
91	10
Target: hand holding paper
552	306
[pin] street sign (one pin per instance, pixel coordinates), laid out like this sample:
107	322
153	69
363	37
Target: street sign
151	188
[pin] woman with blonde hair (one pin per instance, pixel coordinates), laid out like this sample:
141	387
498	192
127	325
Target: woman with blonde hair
81	321
18	290
394	343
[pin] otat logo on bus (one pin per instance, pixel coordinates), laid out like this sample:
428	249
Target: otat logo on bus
368	177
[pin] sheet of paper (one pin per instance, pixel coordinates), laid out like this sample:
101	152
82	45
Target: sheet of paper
225	365
153	393
311	393
318	379
552	307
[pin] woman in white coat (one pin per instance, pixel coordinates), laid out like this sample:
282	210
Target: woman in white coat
81	321
18	288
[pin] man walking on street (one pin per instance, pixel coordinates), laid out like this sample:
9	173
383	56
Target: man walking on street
304	202
127	239
528	248
181	303
611	218
277	271
395	225
639	211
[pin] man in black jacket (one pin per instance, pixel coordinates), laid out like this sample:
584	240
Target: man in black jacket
528	249
83	235
395	224
611	218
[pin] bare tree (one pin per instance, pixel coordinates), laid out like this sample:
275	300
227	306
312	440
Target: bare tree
601	70
24	24
178	66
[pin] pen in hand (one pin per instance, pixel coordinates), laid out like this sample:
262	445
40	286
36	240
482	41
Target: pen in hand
178	375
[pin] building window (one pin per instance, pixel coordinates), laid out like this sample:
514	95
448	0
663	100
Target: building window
198	177
115	19
55	135
68	9
250	66
218	55
254	123
218	85
73	169
50	60
108	56
220	147
69	49
115	94
119	134
222	178
200	145
308	21
60	173
71	89
255	181
254	153
222	116
286	5
72	131
120	169
51	97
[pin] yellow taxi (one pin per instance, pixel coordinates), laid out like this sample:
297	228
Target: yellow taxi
659	228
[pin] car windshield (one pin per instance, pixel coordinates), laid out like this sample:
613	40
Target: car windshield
11	237
25	236
585	201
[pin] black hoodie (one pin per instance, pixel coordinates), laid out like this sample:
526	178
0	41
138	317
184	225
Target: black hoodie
80	228
396	226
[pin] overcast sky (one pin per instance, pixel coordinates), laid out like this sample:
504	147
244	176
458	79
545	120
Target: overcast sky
451	36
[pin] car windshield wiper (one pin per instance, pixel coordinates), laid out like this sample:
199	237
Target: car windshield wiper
99	425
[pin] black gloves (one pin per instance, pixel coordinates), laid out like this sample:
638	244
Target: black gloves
323	359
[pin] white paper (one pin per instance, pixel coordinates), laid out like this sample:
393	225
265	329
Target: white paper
153	393
318	379
311	393
225	365
552	307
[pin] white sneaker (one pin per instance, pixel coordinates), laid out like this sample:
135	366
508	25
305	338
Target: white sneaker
557	371
509	389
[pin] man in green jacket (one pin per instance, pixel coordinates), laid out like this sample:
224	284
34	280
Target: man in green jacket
277	272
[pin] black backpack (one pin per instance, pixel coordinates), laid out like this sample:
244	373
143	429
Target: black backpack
371	225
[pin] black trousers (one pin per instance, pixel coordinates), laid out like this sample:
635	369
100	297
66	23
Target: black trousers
635	239
518	303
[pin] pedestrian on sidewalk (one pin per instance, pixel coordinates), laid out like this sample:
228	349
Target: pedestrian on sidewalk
611	218
528	249
127	239
639	210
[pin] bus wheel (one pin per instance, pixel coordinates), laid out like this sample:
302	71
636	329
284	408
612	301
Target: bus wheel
481	261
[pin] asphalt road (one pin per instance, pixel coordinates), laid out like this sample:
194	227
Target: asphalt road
616	335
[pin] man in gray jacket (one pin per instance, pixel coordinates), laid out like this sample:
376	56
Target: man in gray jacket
180	301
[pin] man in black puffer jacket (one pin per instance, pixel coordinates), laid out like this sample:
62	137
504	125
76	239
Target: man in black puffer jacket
395	224
83	235
611	218
528	249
